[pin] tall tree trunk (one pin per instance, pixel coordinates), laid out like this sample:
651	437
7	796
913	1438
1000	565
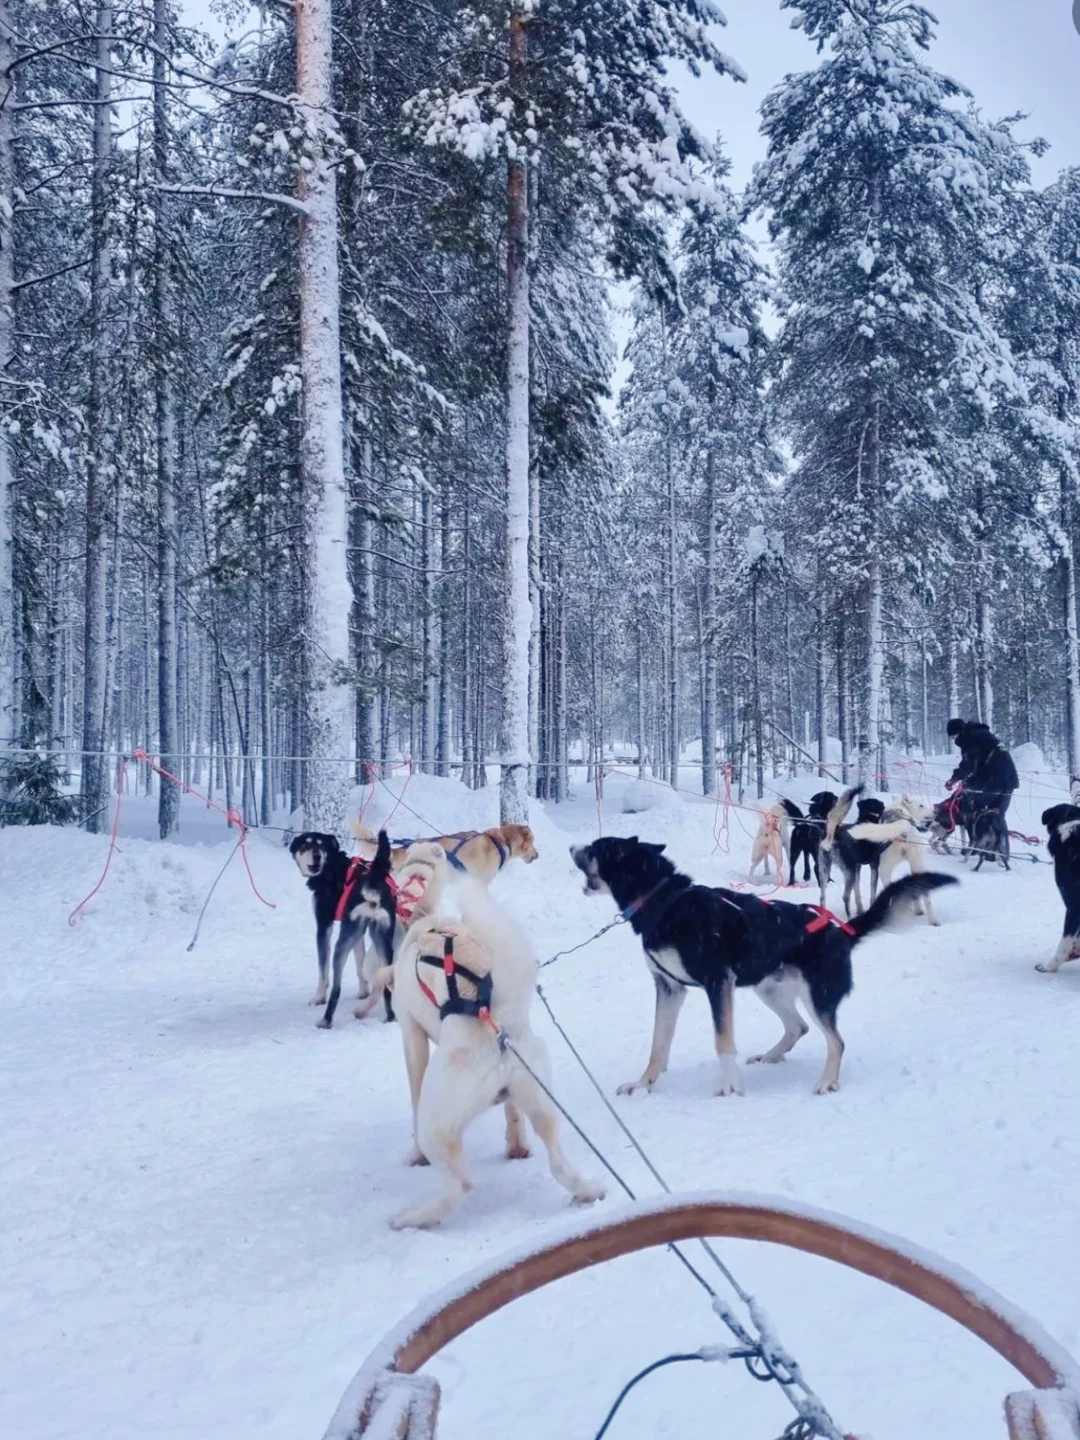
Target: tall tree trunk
367	732
984	620
842	701
442	727
97	469
429	662
642	720
872	750
7	353
708	707
517	617
672	605
165	439
1072	643
755	680
819	693
954	678
322	460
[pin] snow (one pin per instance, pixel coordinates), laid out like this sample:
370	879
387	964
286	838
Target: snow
197	1182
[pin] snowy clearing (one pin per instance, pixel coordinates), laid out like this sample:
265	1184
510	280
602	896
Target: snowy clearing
198	1182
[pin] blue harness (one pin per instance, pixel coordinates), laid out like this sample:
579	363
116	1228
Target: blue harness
463	837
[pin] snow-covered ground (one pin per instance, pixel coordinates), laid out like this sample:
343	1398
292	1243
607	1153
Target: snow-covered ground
196	1182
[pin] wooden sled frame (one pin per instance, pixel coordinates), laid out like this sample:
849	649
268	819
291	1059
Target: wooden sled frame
388	1391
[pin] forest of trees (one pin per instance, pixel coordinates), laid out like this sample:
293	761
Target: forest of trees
309	456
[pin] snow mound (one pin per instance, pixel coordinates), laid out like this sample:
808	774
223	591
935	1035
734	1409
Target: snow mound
1029	759
642	795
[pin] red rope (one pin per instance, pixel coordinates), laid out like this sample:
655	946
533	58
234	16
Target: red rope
234	817
76	914
412	770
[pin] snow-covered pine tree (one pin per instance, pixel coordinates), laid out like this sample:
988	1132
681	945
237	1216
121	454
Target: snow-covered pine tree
877	191
570	83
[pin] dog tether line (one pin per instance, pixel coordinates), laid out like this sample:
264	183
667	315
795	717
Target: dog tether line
764	1357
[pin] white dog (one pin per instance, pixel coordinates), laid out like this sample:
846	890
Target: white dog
467	985
904	829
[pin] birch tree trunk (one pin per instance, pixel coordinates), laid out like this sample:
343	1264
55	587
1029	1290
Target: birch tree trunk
429	663
165	438
94	601
7	351
535	623
517	617
322	459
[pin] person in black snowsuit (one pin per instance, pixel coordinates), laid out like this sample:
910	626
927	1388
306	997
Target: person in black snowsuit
986	768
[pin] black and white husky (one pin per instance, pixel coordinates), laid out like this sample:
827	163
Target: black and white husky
356	893
1063	824
716	940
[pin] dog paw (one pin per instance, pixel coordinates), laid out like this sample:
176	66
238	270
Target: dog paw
1046	969
631	1087
588	1192
518	1152
729	1087
827	1087
317	1000
324	1024
418	1219
765	1059
416	1157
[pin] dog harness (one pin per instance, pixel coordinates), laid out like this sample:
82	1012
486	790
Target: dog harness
358	867
823	918
479	1009
463	837
407	896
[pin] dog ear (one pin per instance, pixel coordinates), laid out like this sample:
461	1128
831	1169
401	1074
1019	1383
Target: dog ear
332	842
656	849
296	842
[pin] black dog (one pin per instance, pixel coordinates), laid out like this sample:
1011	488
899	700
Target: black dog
988	836
807	834
718	940
851	853
1063	824
360	892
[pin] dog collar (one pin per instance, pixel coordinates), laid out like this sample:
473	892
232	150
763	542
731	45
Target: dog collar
636	906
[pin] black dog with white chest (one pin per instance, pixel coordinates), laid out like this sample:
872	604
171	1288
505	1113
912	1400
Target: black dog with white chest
695	936
358	891
807	834
1063	825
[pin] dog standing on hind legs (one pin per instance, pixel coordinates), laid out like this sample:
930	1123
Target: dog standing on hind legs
466	986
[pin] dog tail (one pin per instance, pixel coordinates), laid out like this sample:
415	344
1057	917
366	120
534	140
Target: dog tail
838	813
380	866
359	830
494	929
792	810
897	898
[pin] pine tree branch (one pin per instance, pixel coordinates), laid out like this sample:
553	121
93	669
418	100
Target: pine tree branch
222	192
50	275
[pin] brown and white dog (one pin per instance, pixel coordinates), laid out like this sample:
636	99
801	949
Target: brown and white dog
479	853
466	985
773	837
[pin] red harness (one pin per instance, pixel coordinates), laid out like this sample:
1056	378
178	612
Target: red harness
823	918
406	897
358	866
